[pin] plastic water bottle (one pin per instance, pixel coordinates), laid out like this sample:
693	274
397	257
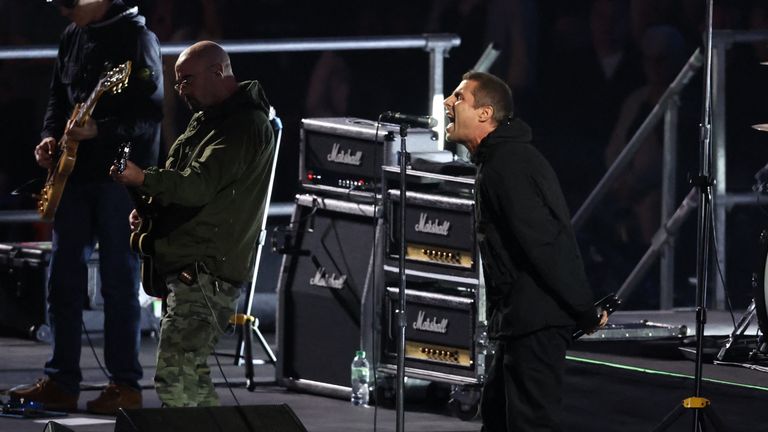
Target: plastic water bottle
360	373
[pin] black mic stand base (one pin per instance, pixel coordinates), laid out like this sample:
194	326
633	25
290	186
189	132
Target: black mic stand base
705	411
249	325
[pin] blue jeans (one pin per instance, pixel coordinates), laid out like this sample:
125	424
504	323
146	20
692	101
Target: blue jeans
89	213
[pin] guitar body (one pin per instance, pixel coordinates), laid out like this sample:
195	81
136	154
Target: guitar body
151	281
141	240
66	150
50	196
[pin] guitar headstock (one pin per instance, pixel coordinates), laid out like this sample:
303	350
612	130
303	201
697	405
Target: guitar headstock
123	153
116	79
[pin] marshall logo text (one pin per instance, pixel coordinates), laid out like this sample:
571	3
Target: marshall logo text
322	279
345	157
432	226
430	324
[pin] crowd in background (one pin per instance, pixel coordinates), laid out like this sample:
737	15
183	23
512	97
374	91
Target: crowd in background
585	75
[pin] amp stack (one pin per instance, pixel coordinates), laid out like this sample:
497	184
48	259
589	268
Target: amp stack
333	249
445	336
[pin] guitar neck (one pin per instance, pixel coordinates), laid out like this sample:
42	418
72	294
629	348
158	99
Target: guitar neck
86	108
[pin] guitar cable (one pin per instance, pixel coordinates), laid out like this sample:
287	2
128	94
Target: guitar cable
218	327
93	350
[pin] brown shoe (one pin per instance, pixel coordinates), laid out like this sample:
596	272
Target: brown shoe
113	397
45	391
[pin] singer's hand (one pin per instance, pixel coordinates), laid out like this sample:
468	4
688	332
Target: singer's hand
603	319
603	322
44	152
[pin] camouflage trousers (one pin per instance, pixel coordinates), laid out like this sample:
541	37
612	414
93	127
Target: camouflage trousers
194	317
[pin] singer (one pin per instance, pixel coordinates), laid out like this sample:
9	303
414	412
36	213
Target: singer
536	286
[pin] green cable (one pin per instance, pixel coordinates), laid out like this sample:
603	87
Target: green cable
657	372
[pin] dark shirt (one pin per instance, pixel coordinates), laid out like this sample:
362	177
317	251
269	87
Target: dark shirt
134	114
532	267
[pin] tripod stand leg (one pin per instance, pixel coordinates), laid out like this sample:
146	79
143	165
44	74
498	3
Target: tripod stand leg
670	418
248	326
263	342
248	355
713	418
701	409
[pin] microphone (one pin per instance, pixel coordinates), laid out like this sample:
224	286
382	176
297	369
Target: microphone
412	120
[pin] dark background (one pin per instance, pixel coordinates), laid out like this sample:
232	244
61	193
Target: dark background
584	74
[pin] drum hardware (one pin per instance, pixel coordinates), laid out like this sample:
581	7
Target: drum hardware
757	309
737	333
763	127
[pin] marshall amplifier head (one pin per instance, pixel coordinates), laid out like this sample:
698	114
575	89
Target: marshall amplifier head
444	341
439	236
340	154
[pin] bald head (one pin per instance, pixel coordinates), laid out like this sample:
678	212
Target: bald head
207	52
204	75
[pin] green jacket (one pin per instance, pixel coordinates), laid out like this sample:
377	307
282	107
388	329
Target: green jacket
211	196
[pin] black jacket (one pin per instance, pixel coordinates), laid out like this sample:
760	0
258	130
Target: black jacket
85	54
532	267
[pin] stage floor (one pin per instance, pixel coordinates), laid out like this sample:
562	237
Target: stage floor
611	385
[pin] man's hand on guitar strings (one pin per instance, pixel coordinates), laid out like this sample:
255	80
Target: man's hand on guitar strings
44	152
134	220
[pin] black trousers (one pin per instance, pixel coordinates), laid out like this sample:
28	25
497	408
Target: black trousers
523	388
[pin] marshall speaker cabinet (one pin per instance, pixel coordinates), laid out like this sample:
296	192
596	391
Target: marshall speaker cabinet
444	339
345	155
324	279
439	237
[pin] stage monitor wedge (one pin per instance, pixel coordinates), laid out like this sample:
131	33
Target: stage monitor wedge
262	418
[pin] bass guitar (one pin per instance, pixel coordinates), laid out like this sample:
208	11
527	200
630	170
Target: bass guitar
65	153
141	240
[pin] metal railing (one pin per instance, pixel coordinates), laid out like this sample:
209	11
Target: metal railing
437	45
663	241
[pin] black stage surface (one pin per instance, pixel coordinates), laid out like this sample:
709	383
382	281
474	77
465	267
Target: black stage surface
611	385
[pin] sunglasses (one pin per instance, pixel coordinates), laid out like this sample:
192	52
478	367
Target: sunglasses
69	4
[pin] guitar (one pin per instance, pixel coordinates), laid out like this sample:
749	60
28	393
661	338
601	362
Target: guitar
608	304
140	240
65	154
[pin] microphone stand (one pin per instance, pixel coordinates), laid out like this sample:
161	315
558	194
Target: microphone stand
401	318
700	405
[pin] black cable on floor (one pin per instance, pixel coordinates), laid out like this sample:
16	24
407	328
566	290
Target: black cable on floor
93	350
